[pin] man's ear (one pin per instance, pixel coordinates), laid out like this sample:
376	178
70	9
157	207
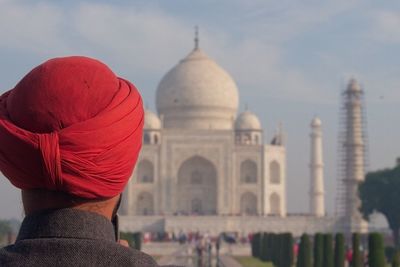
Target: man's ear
117	205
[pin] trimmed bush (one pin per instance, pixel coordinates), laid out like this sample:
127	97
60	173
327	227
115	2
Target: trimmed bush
339	250
328	250
256	245
269	247
304	257
286	250
357	260
264	249
134	239
137	239
318	250
396	259
376	253
389	252
275	251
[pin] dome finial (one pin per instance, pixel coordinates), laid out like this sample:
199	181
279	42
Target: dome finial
196	37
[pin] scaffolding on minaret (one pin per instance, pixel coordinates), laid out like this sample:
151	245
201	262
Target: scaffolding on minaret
353	158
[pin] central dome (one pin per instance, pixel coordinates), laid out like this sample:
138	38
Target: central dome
197	94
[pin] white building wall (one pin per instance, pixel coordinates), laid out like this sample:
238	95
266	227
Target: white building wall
151	153
274	153
254	154
180	145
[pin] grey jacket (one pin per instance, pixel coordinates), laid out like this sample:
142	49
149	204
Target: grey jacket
69	237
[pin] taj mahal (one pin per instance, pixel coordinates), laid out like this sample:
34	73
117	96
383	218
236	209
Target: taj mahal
205	167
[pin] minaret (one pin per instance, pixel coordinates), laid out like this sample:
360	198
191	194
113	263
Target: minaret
353	159
196	37
317	203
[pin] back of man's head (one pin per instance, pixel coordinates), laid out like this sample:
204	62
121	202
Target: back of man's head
70	130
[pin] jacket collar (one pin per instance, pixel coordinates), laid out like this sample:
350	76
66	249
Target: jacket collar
66	223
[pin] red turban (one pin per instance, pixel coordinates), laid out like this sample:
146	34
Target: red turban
71	125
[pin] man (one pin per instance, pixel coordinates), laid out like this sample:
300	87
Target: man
70	134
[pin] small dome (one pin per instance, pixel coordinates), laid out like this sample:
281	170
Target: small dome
316	122
197	93
247	121
151	120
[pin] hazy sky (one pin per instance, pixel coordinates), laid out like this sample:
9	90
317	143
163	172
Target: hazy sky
290	60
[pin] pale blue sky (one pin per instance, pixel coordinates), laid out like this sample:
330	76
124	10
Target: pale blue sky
290	60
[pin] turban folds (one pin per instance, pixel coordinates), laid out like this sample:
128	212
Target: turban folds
71	125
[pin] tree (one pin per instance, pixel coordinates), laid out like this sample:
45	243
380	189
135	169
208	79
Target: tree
380	192
318	250
328	251
339	250
304	258
357	260
376	250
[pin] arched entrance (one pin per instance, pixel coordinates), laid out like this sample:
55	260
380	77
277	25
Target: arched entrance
197	187
145	204
275	202
248	172
145	172
275	172
248	204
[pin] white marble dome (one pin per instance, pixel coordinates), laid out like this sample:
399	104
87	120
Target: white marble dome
247	120
197	94
151	121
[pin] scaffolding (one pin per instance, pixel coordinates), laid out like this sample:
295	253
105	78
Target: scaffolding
347	158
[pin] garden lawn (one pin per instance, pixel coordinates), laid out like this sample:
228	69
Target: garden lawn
247	261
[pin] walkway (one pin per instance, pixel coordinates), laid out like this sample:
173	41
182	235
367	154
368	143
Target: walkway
185	256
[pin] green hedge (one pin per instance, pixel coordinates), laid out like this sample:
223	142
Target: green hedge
396	259
286	254
376	247
318	250
256	245
357	260
328	250
304	256
134	239
339	250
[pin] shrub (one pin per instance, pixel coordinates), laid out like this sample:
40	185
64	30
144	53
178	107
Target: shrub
357	260
396	259
286	250
376	250
264	249
339	250
328	251
318	250
256	245
304	258
134	239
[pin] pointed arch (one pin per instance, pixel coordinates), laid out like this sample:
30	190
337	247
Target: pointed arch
248	204
197	186
145	171
146	138
275	172
275	204
145	204
248	172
